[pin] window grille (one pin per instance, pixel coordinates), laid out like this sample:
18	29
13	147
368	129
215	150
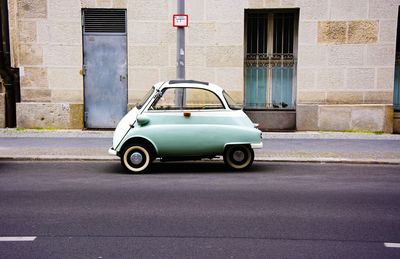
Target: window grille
270	60
104	20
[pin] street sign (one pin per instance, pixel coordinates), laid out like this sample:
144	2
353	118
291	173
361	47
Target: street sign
180	20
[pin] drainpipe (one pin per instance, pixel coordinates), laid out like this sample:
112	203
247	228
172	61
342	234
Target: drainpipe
9	75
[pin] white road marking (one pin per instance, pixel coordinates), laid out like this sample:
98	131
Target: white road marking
392	245
16	239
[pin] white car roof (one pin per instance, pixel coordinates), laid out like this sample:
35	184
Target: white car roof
189	83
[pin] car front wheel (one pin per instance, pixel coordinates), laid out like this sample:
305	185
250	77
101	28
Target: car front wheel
239	157
136	158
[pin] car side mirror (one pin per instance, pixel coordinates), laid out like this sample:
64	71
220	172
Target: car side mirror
143	120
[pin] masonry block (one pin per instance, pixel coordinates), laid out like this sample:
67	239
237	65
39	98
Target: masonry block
387	31
360	78
345	55
385	77
63	55
345	97
143	78
330	78
224	56
67	95
66	33
32	8
312	56
148	55
35	95
65	78
362	32
381	55
307	117
203	33
34	77
225	10
49	115
231	79
27	32
120	3
348	9
311	97
332	32
356	117
62	10
378	97
104	3
306	78
308	32
387	9
148	10
334	117
231	33
30	55
372	118
314	10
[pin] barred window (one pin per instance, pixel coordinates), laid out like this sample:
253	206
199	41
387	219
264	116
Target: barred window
270	59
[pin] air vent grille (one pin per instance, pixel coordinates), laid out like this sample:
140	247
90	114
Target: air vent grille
104	20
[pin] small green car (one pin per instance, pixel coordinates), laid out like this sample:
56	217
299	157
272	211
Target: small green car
185	120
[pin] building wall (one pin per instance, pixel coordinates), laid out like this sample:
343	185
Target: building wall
345	69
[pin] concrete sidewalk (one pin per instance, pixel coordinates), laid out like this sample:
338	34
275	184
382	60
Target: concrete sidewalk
282	147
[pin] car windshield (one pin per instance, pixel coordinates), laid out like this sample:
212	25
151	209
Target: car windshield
231	103
140	104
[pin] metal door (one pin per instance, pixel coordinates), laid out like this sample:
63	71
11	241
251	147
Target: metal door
105	67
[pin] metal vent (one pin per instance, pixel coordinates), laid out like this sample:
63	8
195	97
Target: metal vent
104	20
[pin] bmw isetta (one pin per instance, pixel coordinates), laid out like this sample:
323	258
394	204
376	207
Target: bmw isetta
185	120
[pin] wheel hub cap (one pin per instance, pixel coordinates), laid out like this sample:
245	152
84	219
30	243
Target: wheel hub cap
136	158
238	155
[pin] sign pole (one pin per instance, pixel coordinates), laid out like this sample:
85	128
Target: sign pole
180	47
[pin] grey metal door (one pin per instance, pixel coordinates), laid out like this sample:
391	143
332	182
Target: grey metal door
105	67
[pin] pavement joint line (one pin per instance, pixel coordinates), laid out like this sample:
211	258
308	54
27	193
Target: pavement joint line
17	239
392	245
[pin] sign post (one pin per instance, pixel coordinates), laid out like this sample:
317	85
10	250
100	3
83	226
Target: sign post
180	21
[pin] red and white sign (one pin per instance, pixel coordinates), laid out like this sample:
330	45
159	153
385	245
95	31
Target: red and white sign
180	20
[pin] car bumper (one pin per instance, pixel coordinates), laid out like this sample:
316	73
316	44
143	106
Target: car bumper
111	151
257	145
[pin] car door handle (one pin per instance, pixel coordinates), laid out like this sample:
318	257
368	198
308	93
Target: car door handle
187	114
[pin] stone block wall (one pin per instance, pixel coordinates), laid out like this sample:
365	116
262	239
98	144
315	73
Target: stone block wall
346	52
346	65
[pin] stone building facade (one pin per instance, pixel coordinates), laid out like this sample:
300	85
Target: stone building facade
340	58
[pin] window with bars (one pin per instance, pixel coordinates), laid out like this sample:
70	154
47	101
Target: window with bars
270	59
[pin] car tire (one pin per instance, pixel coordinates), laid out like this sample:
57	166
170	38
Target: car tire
136	158
239	157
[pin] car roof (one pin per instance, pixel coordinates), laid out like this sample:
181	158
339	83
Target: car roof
189	84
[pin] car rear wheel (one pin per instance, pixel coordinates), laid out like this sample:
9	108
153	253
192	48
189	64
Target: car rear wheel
239	157
136	158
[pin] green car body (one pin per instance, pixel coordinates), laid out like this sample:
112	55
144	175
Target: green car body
203	123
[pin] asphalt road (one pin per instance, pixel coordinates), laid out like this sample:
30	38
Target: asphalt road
199	210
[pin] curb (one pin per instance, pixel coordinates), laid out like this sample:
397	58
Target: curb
260	159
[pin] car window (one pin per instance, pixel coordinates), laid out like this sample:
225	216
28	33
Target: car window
140	104
187	99
171	99
198	99
231	103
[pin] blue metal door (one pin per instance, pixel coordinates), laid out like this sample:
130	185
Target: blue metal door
105	67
